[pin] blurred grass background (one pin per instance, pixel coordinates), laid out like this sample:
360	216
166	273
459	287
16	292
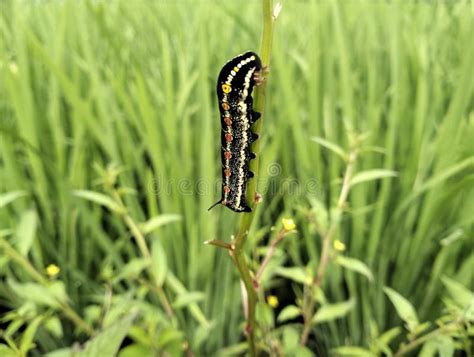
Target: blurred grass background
85	83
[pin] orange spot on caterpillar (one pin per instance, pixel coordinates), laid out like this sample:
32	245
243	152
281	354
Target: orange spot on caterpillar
227	155
225	106
228	121
227	172
228	137
226	189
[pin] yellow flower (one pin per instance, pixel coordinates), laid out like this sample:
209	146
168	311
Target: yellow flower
339	246
52	270
272	300
288	224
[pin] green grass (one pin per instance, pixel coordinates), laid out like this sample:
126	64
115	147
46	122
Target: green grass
86	84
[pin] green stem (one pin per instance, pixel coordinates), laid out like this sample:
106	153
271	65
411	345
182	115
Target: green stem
141	242
40	279
247	218
404	349
309	301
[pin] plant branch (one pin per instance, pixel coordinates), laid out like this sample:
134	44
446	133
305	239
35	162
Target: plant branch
141	242
247	218
271	251
220	244
309	303
404	349
40	279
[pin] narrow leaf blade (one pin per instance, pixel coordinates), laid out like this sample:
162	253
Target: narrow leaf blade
158	221
404	308
99	199
370	175
9	197
331	146
355	265
331	312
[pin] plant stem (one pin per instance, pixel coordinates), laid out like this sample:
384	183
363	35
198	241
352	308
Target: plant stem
40	279
141	242
404	349
309	299
281	234
239	242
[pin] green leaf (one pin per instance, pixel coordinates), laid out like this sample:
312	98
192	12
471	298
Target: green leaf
429	349
54	326
355	265
159	262
296	274
5	232
29	335
302	351
459	293
201	335
389	336
100	199
132	269
135	350
331	312
331	146
370	175
167	336
233	350
188	298
453	237
177	286
6	351
107	342
291	339
383	341
11	196
352	351
288	313
158	221
26	231
34	293
442	344
444	175
264	314
404	308
58	290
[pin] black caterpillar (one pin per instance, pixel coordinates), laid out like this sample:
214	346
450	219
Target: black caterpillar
234	93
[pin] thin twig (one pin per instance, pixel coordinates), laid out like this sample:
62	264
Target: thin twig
271	251
40	279
220	244
309	303
141	242
239	242
404	349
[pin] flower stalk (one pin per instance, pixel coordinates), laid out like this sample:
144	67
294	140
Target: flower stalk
236	248
67	310
309	301
238	253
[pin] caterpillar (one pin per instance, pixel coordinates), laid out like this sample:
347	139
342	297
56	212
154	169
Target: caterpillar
234	93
